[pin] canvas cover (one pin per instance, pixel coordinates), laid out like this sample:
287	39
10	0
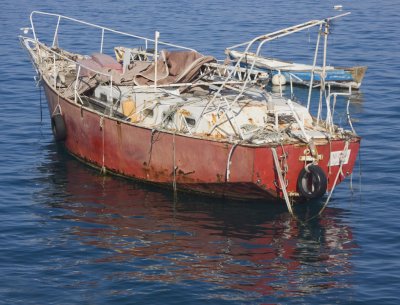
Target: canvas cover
172	67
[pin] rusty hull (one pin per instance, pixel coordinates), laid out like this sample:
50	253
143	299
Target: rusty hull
200	164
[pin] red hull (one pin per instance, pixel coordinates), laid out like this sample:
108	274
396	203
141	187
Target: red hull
201	164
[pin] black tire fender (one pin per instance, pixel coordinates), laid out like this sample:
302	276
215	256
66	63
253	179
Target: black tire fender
58	127
312	182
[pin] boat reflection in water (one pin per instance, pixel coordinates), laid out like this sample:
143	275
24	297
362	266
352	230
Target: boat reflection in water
253	247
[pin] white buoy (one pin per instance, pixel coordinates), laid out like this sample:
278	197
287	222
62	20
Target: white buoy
277	89
278	80
338	7
25	30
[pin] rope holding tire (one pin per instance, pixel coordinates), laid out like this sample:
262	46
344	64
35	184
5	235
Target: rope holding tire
312	182
58	127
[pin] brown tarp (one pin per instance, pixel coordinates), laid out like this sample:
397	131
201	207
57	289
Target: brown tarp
172	67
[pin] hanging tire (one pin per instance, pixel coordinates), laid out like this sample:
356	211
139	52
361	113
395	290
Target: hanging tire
312	183
58	127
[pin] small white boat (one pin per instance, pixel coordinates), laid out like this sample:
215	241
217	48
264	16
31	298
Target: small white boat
299	73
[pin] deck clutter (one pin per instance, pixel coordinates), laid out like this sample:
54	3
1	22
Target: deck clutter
168	115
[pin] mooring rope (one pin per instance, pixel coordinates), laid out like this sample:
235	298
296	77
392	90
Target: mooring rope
174	165
282	182
284	190
228	165
340	172
103	168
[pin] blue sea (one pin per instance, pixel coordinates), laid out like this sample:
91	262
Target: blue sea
69	235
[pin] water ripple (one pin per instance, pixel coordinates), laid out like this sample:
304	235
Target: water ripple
72	236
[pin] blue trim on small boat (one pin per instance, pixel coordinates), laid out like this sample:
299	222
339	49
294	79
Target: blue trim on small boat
337	75
331	76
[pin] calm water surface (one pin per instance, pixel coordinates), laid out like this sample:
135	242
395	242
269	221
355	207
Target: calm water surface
71	236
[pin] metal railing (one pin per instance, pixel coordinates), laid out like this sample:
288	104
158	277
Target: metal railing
228	74
102	28
56	55
258	42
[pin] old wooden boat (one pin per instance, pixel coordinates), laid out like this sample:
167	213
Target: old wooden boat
299	73
180	119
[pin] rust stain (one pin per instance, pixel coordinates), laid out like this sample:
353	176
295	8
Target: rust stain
213	118
185	112
219	135
119	133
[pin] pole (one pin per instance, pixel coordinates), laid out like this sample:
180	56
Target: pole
157	36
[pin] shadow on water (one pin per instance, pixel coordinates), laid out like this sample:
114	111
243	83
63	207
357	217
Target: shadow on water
251	247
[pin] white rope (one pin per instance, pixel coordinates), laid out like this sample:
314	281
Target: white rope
281	181
299	122
174	164
228	165
57	106
103	168
340	172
